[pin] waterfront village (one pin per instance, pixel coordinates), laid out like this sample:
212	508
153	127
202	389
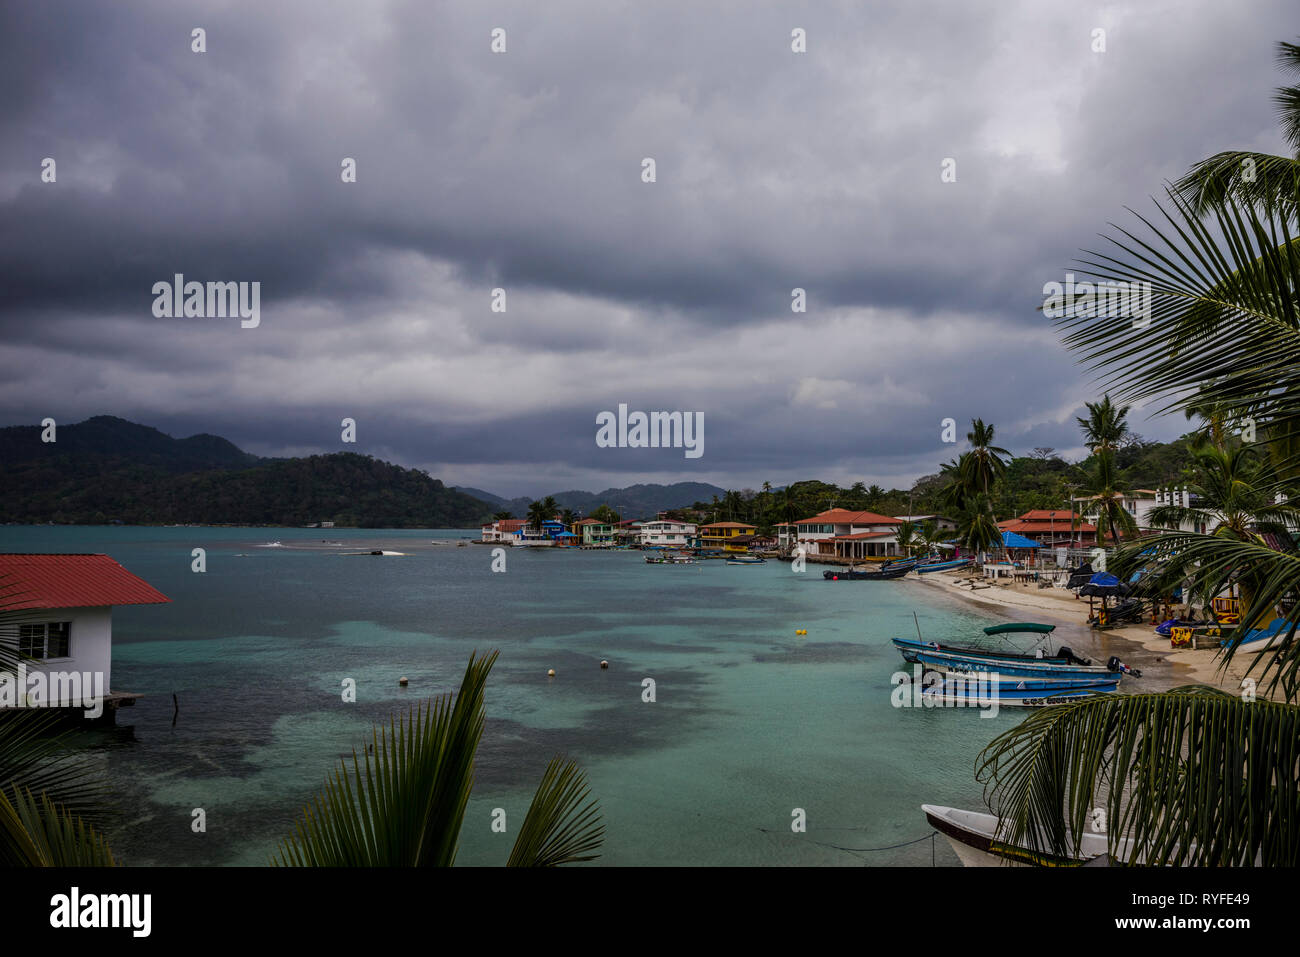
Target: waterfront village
1034	539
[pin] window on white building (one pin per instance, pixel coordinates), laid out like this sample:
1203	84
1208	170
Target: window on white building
47	640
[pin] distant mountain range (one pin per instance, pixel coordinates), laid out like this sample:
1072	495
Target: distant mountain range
635	501
107	469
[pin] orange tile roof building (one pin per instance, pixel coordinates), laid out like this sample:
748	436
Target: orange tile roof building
1051	528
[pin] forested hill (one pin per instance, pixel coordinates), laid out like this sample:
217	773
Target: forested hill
107	469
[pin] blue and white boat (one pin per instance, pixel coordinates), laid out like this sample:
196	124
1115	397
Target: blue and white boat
1257	639
970	692
964	663
944	566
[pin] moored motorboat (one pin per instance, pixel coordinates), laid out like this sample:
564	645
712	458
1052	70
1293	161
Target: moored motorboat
959	663
943	566
978	842
973	691
971	656
886	572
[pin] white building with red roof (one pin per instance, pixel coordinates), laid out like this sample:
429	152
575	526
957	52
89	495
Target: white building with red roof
59	611
843	533
503	529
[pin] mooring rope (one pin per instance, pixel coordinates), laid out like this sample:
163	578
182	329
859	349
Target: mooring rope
868	850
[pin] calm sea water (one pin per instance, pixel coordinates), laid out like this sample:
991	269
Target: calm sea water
751	720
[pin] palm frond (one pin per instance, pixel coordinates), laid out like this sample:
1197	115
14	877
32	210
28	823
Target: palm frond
1224	318
562	826
1191	776
35	832
403	802
35	756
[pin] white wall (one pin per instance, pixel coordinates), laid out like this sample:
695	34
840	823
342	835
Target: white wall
90	643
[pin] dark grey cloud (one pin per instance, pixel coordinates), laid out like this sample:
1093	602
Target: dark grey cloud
521	170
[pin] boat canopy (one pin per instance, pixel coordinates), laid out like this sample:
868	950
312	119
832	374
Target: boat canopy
1014	626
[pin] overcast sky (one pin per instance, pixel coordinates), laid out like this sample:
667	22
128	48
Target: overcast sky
523	170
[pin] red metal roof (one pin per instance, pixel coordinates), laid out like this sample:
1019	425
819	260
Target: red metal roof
863	535
1029	523
70	581
844	516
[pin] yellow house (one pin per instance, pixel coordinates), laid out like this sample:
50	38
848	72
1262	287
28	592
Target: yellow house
727	536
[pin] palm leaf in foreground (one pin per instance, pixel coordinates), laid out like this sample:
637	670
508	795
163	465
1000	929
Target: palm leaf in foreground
34	832
1192	776
403	807
34	755
559	827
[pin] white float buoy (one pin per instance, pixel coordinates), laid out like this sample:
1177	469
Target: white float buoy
604	663
402	681
550	673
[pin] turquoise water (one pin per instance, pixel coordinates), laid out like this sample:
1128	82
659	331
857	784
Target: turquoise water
750	720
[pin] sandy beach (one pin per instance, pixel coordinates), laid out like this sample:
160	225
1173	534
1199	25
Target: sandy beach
1138	646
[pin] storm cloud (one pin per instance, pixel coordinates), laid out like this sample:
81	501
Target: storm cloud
522	171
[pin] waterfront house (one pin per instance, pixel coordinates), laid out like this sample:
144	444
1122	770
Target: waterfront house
593	532
1051	528
843	533
667	533
62	610
727	536
503	529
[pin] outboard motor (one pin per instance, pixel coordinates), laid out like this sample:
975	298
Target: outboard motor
1070	657
1114	664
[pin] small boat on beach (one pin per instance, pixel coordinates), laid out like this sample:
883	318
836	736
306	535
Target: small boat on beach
944	566
1258	639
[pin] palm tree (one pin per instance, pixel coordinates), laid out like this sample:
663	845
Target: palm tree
977	530
956	488
908	536
1106	425
1192	776
403	803
986	462
1268	182
1112	517
930	535
537	514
